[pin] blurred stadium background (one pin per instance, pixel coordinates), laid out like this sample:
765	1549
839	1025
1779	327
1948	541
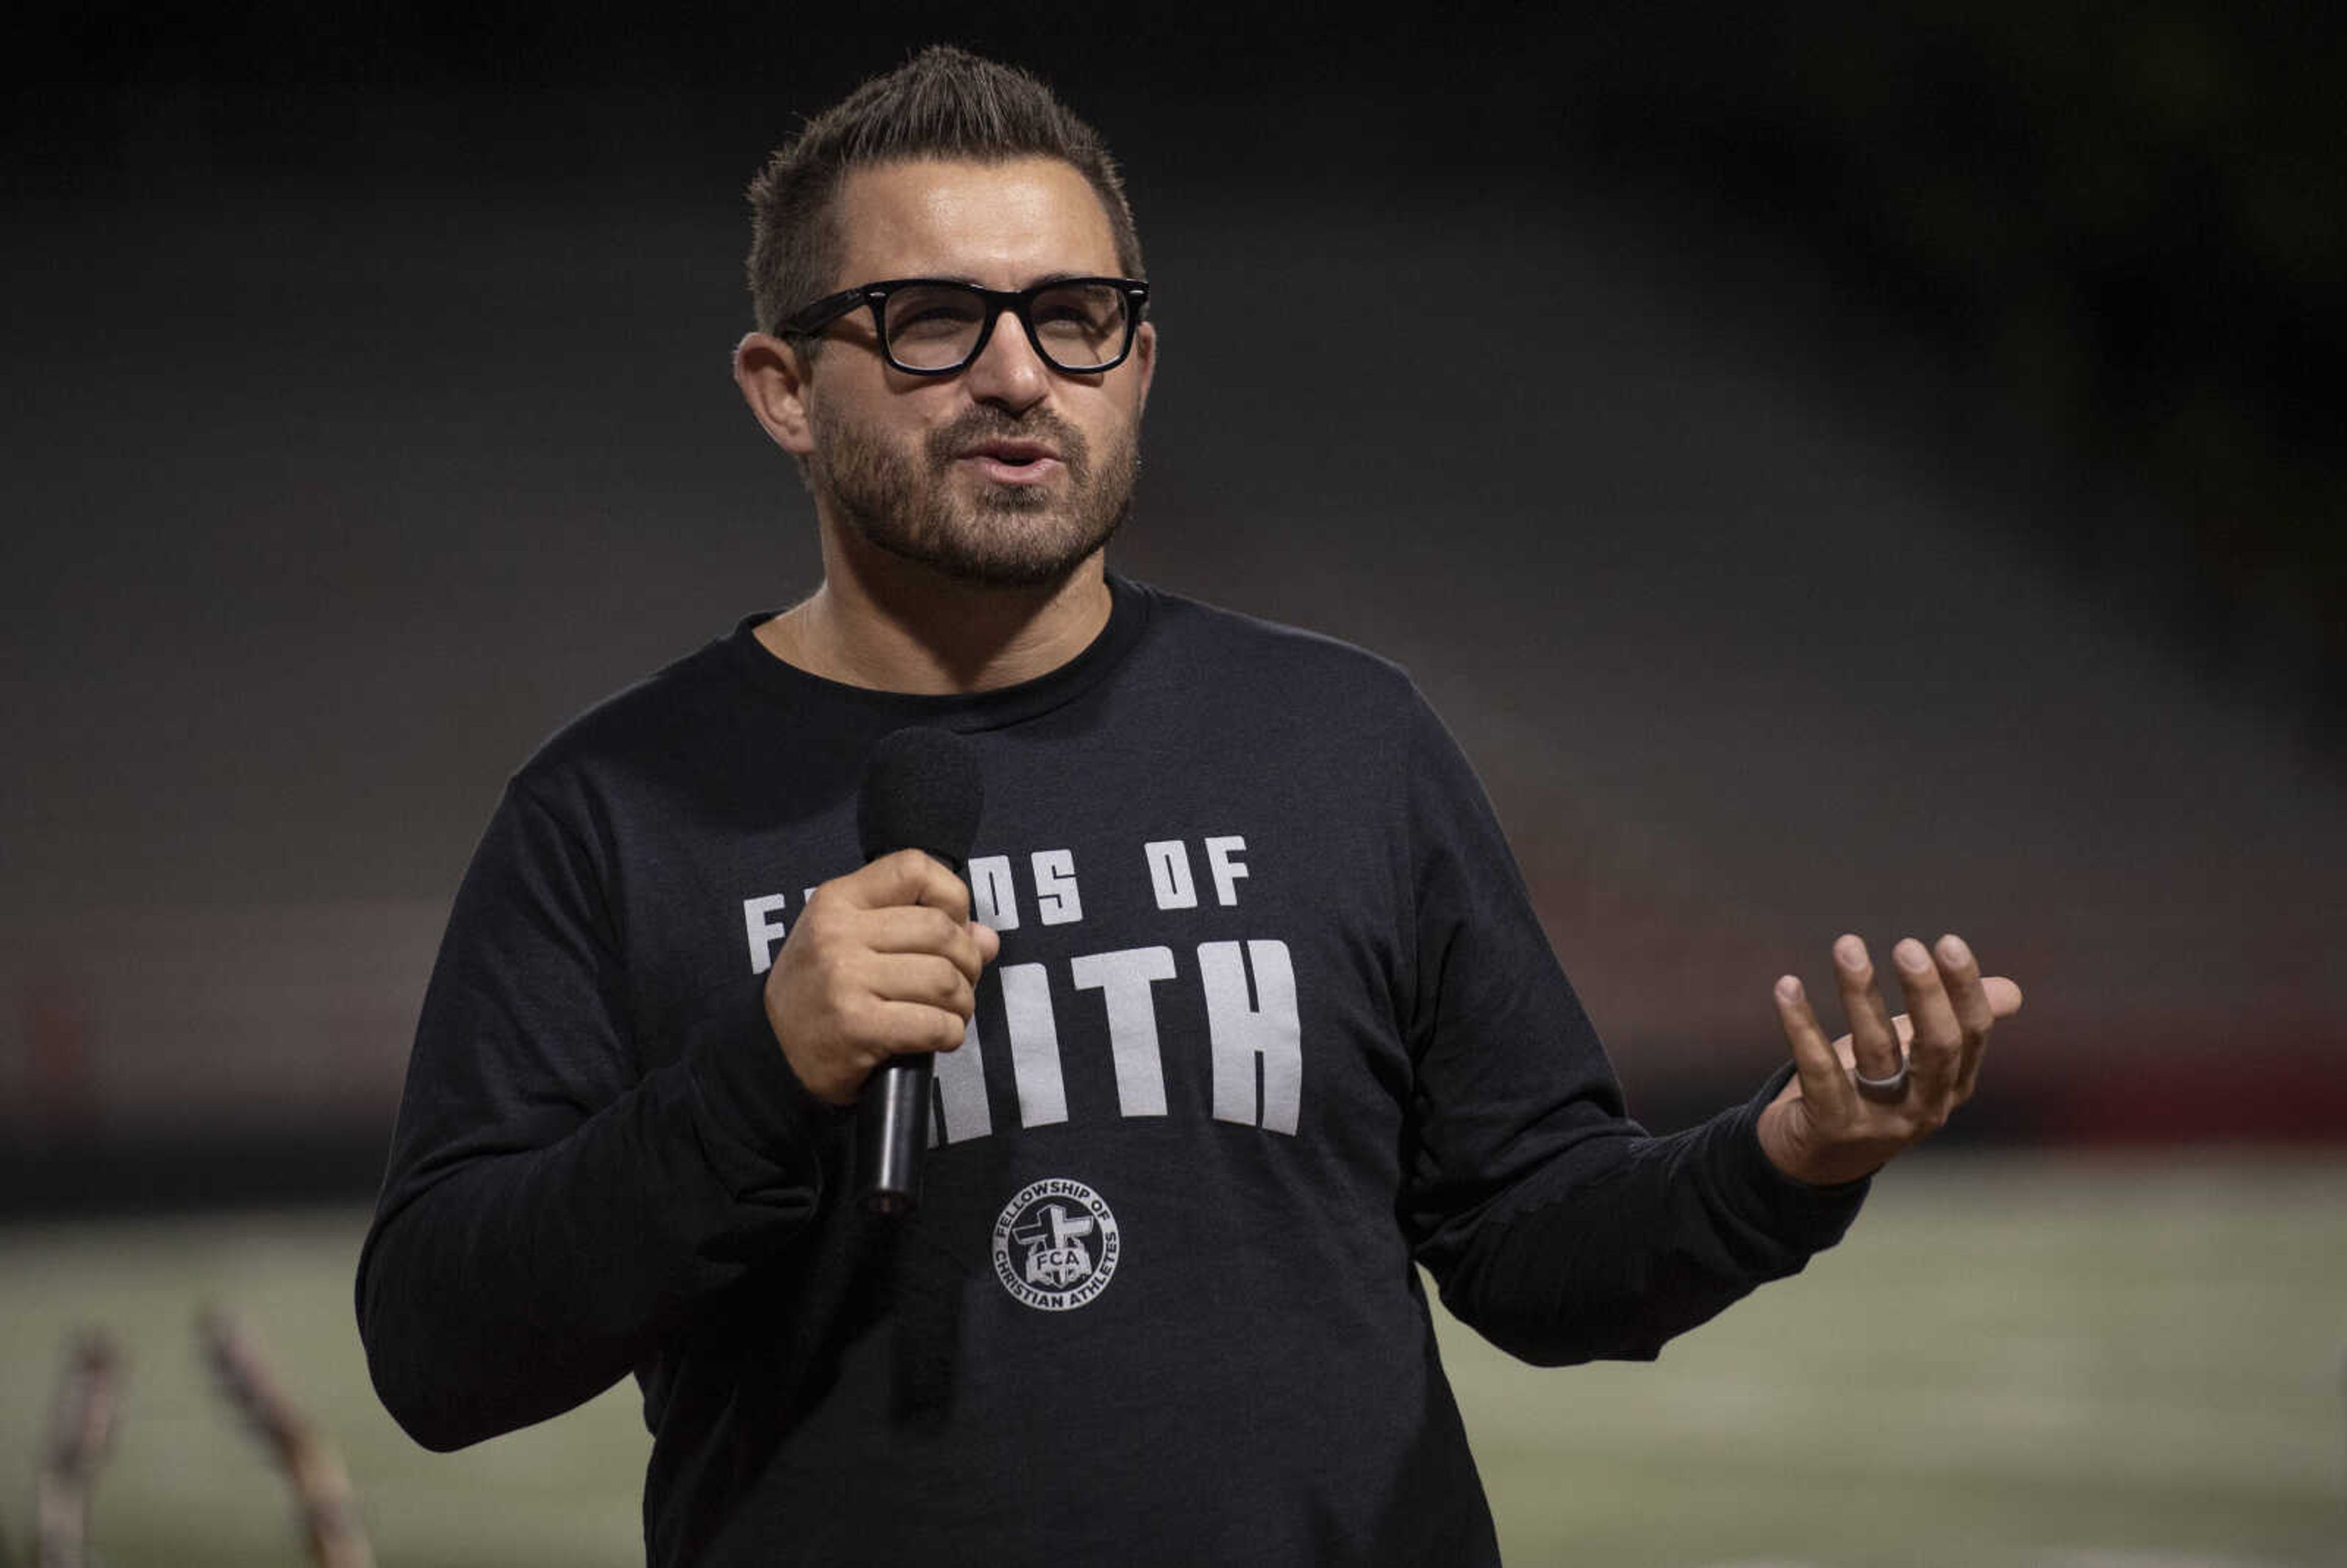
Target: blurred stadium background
1834	468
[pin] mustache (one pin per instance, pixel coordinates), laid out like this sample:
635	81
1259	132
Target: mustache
992	425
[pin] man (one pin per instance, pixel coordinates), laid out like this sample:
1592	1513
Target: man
1243	1015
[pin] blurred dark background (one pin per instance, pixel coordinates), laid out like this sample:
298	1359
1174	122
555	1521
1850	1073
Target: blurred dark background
1834	468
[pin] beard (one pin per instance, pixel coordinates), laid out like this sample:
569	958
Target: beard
1007	535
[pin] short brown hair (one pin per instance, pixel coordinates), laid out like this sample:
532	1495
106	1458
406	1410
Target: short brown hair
943	103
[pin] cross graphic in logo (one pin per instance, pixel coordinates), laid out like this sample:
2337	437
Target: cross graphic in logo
1059	1258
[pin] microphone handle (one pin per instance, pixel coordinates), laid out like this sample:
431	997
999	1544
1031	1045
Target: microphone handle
892	1124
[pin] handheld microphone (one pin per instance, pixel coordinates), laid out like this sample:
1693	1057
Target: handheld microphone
921	790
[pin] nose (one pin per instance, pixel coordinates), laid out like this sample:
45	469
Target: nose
1008	373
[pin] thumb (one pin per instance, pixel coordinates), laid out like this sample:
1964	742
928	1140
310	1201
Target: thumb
2004	996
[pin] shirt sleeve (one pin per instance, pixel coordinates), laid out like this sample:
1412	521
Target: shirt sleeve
1554	1224
551	1208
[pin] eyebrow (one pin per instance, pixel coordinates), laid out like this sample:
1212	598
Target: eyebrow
1061	276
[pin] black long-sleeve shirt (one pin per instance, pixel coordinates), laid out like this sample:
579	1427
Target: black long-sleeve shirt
1272	1022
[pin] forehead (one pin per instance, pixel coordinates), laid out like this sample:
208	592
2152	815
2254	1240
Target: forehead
1002	224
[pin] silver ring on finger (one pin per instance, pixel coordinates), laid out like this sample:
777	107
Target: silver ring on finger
1888	1091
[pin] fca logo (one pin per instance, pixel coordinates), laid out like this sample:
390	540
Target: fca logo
1057	1258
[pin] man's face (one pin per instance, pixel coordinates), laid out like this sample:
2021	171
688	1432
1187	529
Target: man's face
1008	472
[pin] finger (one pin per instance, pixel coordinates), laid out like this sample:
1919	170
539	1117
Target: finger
1874	1045
1901	1028
907	929
904	1029
990	943
1960	975
907	876
922	978
1936	1048
2004	1002
1824	1084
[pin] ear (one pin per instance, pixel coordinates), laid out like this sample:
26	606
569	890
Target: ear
773	376
1145	354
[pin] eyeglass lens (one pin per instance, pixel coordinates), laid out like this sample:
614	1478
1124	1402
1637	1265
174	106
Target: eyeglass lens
935	326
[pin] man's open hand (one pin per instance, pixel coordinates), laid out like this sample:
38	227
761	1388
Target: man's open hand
883	961
1892	1081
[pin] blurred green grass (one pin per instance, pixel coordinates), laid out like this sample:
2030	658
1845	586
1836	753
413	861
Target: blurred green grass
2056	1362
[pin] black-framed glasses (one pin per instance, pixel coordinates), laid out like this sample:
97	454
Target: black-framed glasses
935	326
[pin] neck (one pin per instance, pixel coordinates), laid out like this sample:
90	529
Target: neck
888	624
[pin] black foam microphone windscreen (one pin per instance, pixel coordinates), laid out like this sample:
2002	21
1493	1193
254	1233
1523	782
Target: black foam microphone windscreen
921	790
